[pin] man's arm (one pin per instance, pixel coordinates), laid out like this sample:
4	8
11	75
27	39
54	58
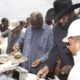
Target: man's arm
49	45
51	61
6	33
19	42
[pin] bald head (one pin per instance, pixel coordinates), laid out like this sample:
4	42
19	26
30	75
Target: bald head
36	20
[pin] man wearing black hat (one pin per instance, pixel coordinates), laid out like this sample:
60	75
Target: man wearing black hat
63	15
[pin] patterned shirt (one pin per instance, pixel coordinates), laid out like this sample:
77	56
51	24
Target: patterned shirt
36	45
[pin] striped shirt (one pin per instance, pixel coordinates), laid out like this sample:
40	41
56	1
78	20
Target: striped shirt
36	45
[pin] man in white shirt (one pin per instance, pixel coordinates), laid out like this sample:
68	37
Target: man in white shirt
72	41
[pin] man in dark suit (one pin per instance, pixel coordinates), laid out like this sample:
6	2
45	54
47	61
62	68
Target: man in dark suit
63	15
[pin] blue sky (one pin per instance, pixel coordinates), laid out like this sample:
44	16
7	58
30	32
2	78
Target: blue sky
21	9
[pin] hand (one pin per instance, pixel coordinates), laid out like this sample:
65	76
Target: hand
43	72
36	63
66	69
16	48
57	70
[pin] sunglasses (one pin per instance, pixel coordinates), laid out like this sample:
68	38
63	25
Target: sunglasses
67	44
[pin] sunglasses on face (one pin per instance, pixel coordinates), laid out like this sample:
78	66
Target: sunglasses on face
67	44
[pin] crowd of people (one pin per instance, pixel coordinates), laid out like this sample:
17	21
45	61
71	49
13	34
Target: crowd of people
52	46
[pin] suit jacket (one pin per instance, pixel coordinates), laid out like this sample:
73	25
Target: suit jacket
59	48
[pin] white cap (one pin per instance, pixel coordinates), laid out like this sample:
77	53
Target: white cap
14	24
74	30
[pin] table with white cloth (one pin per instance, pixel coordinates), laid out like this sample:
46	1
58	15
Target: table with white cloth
7	64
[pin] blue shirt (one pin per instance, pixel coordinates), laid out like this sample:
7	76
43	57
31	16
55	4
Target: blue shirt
36	45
